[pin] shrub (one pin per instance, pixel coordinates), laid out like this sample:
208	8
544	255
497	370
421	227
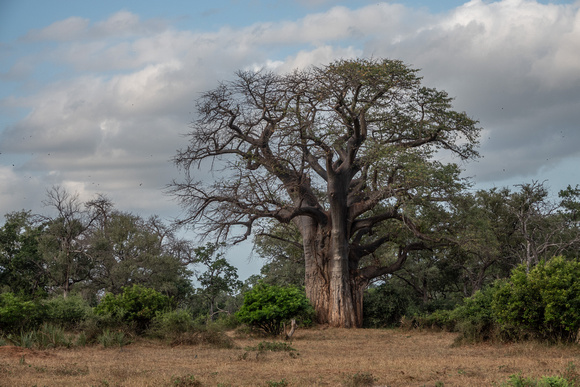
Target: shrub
518	380
386	304
544	303
360	379
170	323
47	336
267	306
113	339
474	319
137	304
17	314
67	312
185	381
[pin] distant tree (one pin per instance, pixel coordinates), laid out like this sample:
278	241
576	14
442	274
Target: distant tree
341	151
128	250
281	247
21	265
63	242
219	277
486	230
545	228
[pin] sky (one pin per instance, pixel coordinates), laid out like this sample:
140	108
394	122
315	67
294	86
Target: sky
95	96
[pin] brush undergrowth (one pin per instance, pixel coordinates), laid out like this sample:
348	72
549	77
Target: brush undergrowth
569	378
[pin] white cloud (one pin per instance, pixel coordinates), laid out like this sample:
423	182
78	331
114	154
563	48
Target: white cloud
68	29
118	25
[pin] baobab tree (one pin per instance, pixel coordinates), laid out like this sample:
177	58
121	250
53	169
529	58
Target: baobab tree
347	152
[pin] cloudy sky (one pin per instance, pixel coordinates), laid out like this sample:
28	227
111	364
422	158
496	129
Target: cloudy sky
94	95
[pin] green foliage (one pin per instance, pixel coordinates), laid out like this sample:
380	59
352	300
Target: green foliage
220	277
281	246
386	304
131	250
21	269
17	314
24	339
67	312
47	336
185	381
174	321
474	318
179	328
545	381
267	306
281	383
113	338
137	304
544	303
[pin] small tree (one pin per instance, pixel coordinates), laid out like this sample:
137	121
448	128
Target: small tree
21	266
268	306
137	304
219	278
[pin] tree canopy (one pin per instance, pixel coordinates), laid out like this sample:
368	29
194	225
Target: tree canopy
343	151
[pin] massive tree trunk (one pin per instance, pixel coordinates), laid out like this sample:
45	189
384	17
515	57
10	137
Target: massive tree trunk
334	293
331	284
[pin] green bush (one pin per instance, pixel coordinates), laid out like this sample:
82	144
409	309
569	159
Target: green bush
474	319
137	304
544	303
440	319
169	323
268	306
67	312
17	314
386	304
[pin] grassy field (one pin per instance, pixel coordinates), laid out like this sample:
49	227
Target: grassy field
322	357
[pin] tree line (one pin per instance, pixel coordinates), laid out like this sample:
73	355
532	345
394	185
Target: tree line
338	171
92	249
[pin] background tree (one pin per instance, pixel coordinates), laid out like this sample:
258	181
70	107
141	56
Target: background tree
544	228
21	265
129	250
486	231
63	242
339	151
281	246
219	278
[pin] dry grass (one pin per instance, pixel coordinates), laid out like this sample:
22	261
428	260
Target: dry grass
323	357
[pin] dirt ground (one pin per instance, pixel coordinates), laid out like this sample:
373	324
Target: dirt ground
322	357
